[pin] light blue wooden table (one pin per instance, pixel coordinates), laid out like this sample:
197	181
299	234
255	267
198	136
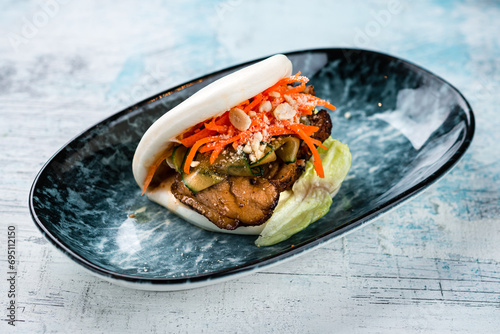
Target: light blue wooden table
431	265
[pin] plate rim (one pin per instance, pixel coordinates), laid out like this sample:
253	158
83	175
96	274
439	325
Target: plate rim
249	267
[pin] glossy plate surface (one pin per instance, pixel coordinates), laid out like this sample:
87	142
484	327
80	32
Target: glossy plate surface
406	129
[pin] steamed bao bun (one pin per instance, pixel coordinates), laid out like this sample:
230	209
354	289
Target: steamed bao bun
213	100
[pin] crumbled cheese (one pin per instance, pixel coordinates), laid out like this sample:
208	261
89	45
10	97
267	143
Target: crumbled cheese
265	106
252	113
290	100
254	148
247	149
274	94
255	142
284	111
259	155
194	163
347	115
239	119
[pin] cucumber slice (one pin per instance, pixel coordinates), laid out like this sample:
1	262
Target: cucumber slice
240	169
178	156
257	171
288	149
200	179
232	163
268	157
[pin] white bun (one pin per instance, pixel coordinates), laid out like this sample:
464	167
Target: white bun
213	100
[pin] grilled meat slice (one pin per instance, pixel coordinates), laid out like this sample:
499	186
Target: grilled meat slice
309	90
323	121
285	175
234	202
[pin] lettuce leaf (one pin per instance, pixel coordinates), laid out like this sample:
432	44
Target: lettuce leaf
310	197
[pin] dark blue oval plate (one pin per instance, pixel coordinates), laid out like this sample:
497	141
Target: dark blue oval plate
405	127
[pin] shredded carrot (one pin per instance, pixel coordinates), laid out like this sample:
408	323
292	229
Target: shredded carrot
256	100
192	151
220	147
259	121
310	101
273	131
152	169
296	89
216	148
286	81
214	127
191	140
307	110
213	135
192	130
318	143
308	129
306	104
223	119
318	166
242	104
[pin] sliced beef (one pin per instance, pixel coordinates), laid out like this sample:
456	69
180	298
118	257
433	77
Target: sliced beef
234	202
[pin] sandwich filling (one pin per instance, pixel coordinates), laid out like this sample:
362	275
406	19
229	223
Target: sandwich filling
232	168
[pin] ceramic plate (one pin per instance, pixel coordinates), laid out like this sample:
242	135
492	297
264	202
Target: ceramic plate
405	127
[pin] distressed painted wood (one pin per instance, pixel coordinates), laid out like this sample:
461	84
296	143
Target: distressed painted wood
431	265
